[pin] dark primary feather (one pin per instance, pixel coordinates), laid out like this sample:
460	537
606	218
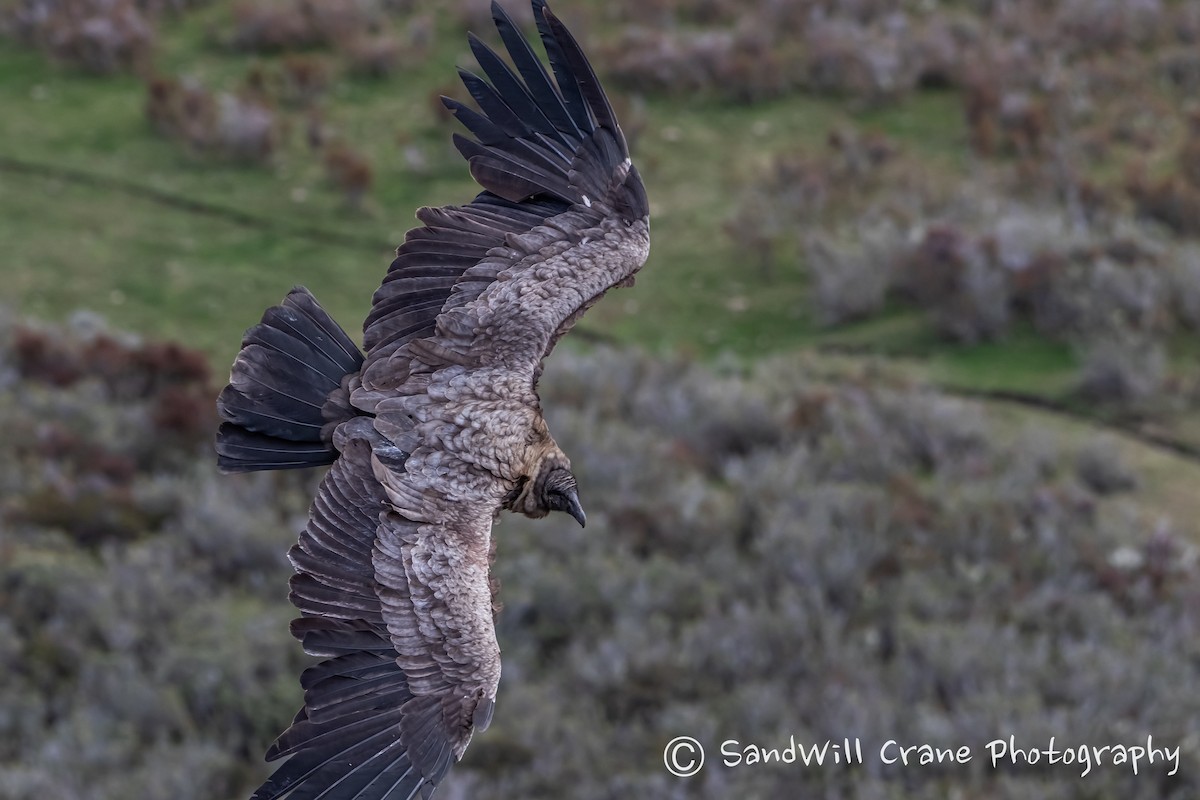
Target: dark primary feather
549	101
540	146
384	710
580	68
568	86
514	93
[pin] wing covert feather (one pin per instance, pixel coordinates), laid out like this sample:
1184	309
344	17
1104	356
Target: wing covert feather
548	152
392	571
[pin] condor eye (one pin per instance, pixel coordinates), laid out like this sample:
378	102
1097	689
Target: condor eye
566	500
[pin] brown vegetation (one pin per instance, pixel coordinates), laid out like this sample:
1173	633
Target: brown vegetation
349	171
371	56
99	37
304	79
238	127
757	542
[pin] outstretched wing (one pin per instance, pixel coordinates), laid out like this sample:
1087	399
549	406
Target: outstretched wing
406	679
392	570
563	208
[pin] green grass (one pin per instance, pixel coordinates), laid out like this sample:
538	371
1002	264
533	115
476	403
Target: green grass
1022	362
696	294
163	271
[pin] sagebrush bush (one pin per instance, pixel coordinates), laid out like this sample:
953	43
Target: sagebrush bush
372	56
304	79
145	640
957	280
98	36
290	25
850	283
881	565
1121	366
800	192
348	171
242	127
879	52
1102	468
1183	286
766	555
1060	255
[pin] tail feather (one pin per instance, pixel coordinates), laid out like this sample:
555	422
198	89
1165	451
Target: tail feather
239	450
281	401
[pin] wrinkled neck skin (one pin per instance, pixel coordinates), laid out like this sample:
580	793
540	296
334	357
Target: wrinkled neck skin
527	498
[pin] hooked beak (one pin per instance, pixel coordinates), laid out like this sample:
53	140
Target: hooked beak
574	508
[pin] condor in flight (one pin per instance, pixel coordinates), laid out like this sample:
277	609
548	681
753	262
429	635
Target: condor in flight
438	427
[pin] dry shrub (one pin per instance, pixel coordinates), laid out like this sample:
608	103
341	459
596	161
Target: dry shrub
126	370
1188	156
1003	121
798	190
1121	367
271	27
937	49
940	569
959	282
1109	25
157	8
304	79
289	25
976	256
238	127
879	52
247	130
981	106
1183	286
43	358
371	56
337	20
165	397
358	31
1076	282
1181	67
1102	467
873	55
851	282
349	171
756	59
98	36
477	17
843	57
764	550
647	59
1115	308
181	110
1172	200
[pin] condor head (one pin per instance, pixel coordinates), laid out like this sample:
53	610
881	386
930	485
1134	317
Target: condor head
551	488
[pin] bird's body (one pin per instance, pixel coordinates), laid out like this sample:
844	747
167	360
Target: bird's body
438	427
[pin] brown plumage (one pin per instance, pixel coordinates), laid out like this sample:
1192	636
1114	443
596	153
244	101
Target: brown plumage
437	428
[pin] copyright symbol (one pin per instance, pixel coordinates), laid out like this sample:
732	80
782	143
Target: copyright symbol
684	756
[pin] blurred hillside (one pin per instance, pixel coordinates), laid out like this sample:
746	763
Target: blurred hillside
1002	195
768	553
864	212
